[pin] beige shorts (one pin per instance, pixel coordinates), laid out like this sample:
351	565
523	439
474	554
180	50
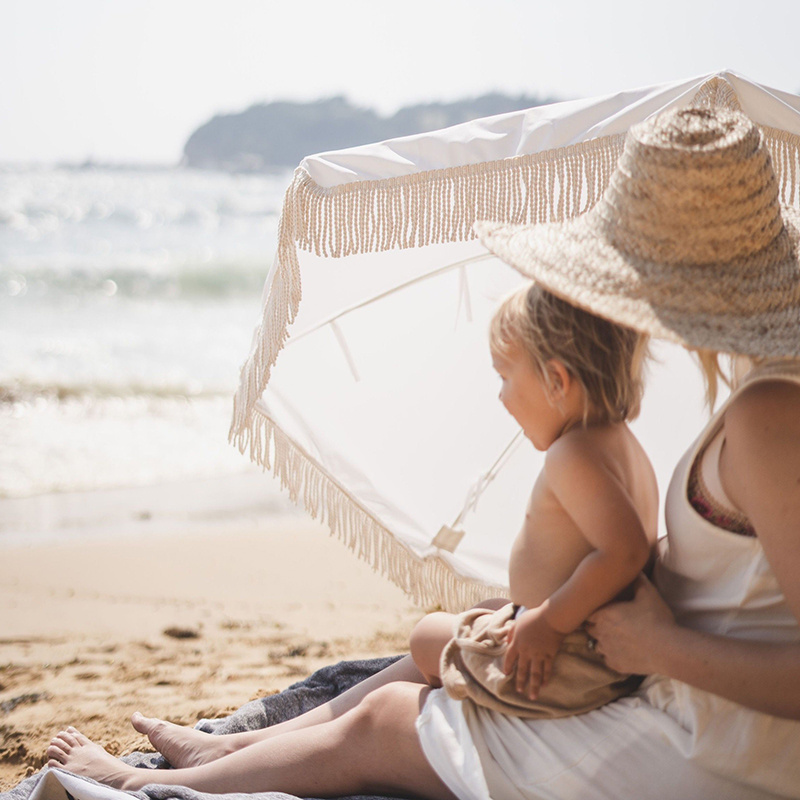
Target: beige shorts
472	667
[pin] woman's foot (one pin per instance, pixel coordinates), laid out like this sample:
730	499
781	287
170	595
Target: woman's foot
71	750
182	747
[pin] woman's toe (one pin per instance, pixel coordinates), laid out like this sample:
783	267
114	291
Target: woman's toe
67	738
78	738
140	722
55	752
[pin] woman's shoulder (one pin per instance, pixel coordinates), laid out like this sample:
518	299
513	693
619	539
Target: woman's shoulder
764	404
761	453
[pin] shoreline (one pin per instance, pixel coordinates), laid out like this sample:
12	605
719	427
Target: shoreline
181	603
248	496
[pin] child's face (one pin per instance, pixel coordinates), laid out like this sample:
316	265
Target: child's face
528	398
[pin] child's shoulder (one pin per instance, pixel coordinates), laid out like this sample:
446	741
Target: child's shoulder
595	447
583	444
605	461
592	438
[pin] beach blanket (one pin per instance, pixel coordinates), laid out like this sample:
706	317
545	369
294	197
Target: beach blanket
323	685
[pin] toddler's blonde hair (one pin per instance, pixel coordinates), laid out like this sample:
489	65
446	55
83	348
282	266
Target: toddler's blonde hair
606	359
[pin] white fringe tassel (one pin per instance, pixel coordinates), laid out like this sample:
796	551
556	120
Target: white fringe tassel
412	211
429	581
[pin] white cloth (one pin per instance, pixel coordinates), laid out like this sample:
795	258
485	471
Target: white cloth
669	740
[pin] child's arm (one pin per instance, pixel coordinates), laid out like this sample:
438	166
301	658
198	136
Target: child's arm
602	509
600	506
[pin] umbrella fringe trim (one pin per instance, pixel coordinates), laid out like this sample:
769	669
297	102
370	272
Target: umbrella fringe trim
435	207
784	148
431	207
428	580
439	206
281	302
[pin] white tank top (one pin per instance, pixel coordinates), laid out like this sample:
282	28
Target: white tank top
715	580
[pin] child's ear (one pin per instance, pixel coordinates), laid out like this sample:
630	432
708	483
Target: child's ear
560	379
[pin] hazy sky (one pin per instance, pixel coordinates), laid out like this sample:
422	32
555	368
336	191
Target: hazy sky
129	80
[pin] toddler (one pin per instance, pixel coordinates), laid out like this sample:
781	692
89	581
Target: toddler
571	380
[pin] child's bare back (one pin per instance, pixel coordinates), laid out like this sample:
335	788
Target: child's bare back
597	489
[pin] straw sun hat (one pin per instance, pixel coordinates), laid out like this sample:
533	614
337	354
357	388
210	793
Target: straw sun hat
689	241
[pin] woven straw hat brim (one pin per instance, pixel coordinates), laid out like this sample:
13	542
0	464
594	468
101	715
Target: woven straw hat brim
750	308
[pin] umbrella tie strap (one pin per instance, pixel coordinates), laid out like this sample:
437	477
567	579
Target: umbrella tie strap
449	536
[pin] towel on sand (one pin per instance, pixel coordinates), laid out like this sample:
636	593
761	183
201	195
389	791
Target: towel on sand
320	687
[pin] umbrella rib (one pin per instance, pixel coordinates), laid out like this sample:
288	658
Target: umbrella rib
463	294
345	349
480	486
339	314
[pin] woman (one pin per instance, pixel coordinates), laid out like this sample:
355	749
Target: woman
688	243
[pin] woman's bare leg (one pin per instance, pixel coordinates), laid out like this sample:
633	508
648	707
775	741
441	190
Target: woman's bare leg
371	749
187	747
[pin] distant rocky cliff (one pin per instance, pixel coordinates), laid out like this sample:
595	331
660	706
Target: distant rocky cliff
278	135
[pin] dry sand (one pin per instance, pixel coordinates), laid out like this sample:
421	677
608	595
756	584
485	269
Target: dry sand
112	602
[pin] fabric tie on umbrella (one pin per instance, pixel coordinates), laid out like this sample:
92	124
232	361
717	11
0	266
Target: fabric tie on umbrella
369	389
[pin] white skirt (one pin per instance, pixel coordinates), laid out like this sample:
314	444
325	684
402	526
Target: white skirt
666	741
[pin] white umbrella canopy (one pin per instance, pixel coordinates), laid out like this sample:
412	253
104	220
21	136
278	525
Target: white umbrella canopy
373	400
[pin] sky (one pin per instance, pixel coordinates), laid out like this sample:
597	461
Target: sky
129	80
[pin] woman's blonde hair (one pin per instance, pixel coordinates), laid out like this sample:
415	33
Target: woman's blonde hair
715	372
606	359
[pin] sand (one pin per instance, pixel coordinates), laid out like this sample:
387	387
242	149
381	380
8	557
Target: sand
180	601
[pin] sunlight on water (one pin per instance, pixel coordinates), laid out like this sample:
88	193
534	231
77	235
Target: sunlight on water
127	304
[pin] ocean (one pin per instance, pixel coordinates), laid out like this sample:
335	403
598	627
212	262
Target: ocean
128	298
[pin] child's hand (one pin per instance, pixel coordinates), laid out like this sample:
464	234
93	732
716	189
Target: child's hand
532	646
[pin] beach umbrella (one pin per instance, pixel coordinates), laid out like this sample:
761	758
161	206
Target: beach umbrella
368	390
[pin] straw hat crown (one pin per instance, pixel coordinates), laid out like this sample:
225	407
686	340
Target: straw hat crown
689	241
699	189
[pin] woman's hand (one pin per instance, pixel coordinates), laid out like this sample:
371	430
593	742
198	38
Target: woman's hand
532	646
630	635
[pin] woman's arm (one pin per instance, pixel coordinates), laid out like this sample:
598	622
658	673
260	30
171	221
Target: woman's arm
642	637
760	472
